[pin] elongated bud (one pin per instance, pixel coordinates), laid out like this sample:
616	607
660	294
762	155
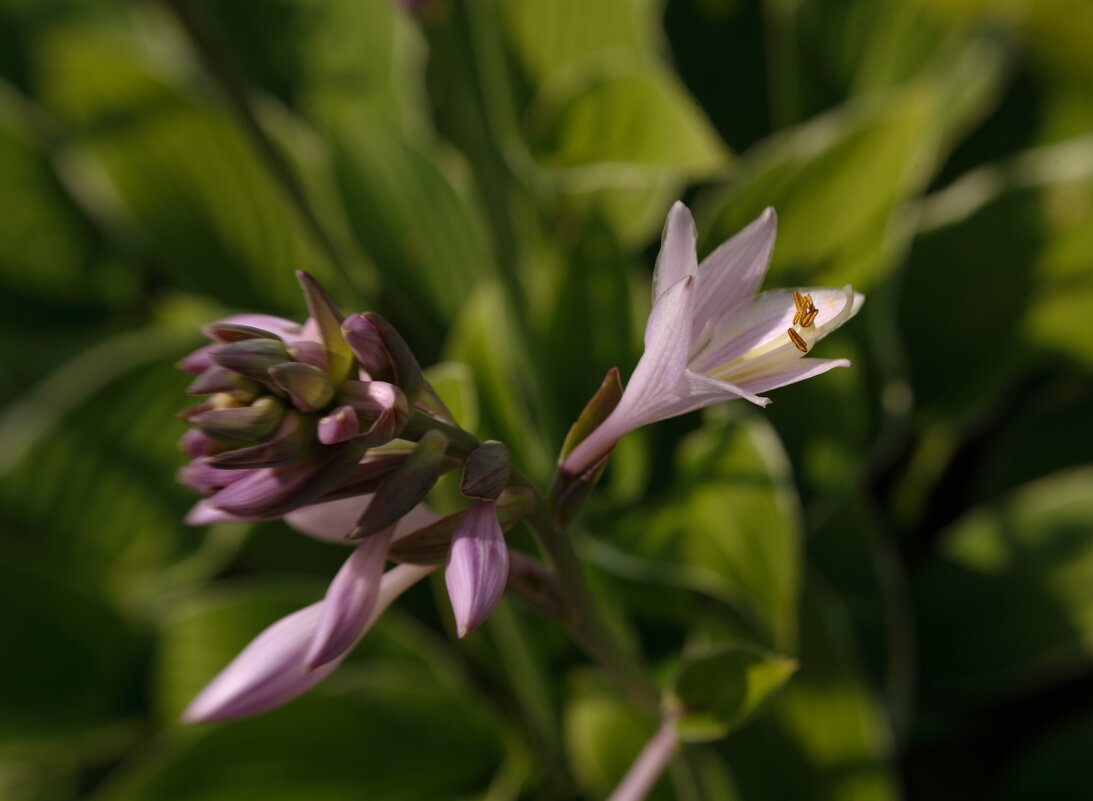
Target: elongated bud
382	403
196	444
486	473
241	425
308	387
478	567
366	477
204	478
221	379
328	319
338	426
383	353
223	331
294	438
251	357
405	487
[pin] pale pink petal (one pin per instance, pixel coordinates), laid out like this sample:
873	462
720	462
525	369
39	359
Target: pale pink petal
655	383
204	515
349	600
477	568
731	275
768	318
797	371
677	258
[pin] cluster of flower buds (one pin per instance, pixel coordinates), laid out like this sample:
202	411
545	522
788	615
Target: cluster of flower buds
332	426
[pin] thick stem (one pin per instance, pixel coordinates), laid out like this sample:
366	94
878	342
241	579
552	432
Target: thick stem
586	625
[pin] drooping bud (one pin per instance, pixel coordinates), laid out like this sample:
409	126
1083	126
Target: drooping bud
338	426
251	357
328	320
221	379
486	472
241	425
293	439
405	487
383	353
478	567
308	387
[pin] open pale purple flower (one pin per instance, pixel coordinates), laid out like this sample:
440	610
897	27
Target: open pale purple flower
478	566
711	338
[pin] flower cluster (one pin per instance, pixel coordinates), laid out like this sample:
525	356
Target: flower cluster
332	426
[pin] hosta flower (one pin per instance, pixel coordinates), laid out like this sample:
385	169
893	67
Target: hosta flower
710	337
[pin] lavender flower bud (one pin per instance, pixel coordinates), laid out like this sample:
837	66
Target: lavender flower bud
308	387
383	353
338	426
478	567
251	357
241	425
293	439
328	320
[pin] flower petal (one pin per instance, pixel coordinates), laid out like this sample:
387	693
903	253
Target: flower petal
654	386
731	275
349	601
797	371
763	325
270	671
677	258
478	566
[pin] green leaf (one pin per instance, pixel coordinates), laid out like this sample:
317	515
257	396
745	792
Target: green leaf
513	412
718	692
412	218
730	528
454	383
837	181
76	659
825	731
101	434
180	179
1007	605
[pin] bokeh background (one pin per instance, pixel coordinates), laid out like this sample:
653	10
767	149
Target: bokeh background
492	175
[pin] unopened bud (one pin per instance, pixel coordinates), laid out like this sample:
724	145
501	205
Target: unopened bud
308	387
242	425
405	487
308	352
251	357
383	403
338	426
234	332
383	353
221	379
328	320
293	439
486	472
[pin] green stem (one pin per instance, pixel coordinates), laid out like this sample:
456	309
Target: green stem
586	625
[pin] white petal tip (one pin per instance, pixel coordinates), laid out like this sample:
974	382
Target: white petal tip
769	215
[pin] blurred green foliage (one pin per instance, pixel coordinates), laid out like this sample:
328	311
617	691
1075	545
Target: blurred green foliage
915	534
